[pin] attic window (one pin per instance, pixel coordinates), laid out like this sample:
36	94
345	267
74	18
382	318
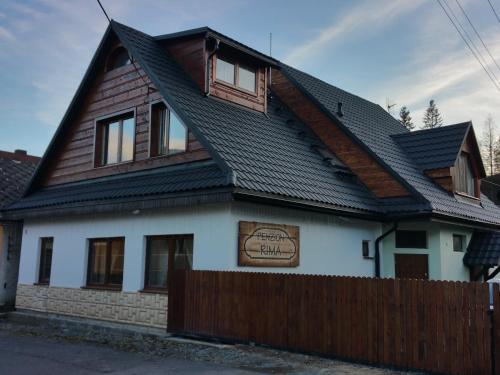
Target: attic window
465	181
118	58
168	134
235	74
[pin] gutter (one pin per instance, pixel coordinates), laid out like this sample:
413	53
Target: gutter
209	65
377	248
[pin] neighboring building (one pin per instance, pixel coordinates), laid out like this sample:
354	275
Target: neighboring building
215	156
490	186
16	169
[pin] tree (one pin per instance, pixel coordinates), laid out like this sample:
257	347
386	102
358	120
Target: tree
432	118
489	146
405	118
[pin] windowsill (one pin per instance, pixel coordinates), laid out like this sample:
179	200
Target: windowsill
154	291
467	196
41	284
166	156
104	287
115	164
237	88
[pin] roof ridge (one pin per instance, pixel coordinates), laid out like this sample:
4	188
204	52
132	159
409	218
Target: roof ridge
440	128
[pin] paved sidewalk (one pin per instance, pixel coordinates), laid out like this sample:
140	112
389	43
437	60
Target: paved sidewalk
33	350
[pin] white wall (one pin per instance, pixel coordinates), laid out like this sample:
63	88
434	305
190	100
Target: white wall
328	244
452	266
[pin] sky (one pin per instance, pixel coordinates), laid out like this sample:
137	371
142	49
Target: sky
402	51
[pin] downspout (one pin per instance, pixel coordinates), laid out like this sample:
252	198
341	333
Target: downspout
377	248
209	65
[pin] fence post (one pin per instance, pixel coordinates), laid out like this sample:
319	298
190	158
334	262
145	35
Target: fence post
495	330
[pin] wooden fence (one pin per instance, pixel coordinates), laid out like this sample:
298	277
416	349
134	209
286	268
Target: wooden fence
438	326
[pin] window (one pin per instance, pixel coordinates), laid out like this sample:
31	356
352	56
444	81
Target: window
45	260
164	254
105	268
115	140
246	79
225	71
168	134
412	239
464	177
118	58
235	74
366	249
458	242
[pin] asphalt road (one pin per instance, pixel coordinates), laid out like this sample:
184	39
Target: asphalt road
20	355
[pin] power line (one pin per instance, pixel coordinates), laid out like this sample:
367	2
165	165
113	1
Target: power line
130	57
483	60
477	34
494	11
104	10
468	45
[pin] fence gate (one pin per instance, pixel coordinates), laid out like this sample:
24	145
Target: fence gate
438	326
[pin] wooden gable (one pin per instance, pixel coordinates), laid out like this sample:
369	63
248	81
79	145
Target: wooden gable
446	177
368	170
121	89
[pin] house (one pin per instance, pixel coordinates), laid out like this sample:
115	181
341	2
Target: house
490	186
193	151
16	169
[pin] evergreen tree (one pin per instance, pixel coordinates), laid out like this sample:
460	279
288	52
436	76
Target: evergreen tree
432	117
405	118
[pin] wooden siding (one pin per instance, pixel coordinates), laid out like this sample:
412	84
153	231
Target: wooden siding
191	55
438	326
114	91
443	177
368	170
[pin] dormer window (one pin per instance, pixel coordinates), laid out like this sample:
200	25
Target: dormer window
465	181
235	74
168	134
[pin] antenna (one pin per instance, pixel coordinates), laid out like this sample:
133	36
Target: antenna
389	105
271	44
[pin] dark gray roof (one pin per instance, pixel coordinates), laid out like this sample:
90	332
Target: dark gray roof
277	156
434	148
15	173
376	130
157	182
270	153
483	249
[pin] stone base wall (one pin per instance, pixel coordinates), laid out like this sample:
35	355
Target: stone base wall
147	309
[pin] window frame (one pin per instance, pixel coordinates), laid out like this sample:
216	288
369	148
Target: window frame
426	246
150	132
456	177
106	284
237	66
171	259
99	123
463	240
43	279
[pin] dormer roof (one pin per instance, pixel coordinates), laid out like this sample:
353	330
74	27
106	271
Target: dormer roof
439	147
207	32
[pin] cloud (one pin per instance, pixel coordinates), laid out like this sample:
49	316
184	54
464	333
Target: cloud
440	66
369	15
6	34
